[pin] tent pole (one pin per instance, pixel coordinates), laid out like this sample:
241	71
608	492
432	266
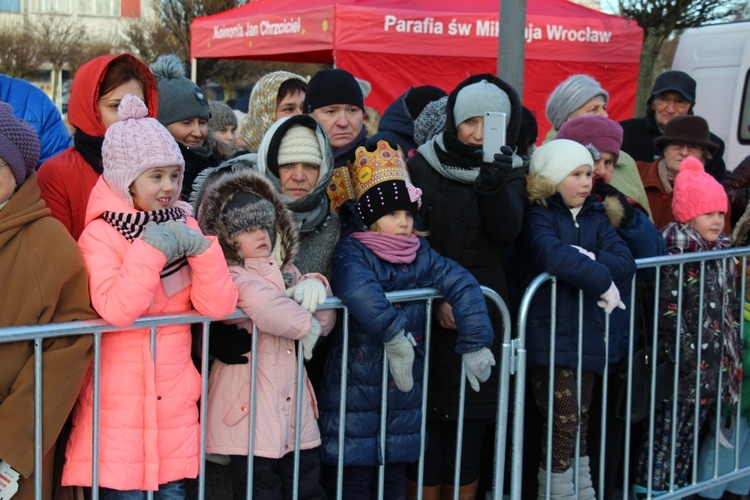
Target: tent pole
194	69
512	43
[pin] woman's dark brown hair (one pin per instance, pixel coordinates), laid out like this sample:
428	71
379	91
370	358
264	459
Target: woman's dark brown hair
122	70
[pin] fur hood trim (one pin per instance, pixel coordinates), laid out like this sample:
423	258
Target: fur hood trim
614	210
218	193
539	188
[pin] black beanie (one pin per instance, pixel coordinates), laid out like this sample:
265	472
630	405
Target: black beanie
333	86
419	97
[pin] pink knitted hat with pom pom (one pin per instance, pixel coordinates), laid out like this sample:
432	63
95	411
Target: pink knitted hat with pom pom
135	144
696	192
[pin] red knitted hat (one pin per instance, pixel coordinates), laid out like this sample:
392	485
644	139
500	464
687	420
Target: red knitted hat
696	192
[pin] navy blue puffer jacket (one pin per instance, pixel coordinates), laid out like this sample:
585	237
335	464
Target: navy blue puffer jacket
545	245
361	279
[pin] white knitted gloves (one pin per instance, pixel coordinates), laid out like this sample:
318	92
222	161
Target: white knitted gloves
310	339
309	294
400	351
478	366
611	299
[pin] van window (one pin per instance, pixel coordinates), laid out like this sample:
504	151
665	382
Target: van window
743	134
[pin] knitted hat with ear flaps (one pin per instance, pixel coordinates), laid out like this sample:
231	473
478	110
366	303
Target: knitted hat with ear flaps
247	212
19	144
696	192
135	144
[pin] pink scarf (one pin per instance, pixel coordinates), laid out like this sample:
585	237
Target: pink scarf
389	247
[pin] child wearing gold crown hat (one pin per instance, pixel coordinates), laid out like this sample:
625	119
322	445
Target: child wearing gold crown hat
381	251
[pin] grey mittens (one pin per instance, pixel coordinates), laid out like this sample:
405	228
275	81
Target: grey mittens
161	238
400	350
189	241
310	339
478	366
309	294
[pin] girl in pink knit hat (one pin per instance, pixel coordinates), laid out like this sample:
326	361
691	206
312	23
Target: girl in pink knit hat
699	205
145	255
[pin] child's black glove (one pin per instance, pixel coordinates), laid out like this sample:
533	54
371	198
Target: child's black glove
228	343
491	175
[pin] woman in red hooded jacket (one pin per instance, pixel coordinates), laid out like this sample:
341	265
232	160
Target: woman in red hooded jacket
66	180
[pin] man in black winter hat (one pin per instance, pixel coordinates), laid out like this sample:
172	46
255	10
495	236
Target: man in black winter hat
673	95
335	100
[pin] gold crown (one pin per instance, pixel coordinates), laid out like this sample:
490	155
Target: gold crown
373	167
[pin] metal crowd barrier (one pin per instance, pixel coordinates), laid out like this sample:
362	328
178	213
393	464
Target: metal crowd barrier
652	266
97	328
511	362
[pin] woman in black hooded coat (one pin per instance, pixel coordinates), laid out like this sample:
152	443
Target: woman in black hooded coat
472	210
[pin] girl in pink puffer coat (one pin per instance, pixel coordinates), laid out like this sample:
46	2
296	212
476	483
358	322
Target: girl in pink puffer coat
145	255
259	240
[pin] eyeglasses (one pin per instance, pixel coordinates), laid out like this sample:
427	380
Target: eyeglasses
677	102
693	150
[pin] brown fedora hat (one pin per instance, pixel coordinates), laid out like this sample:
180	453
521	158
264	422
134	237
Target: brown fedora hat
687	129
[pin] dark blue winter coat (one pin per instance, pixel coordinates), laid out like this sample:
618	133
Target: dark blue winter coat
545	245
361	279
643	241
31	104
396	126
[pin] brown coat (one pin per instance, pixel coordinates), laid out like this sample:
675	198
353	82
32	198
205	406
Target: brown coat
45	281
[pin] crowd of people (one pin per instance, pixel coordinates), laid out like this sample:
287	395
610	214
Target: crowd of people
162	201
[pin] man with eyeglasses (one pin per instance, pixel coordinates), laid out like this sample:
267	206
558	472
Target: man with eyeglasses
673	95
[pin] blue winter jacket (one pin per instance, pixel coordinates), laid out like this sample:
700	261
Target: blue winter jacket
361	279
396	126
545	245
31	104
643	241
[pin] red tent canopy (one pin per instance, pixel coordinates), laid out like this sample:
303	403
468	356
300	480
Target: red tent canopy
395	44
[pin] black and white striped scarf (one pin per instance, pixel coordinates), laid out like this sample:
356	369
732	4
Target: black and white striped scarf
176	274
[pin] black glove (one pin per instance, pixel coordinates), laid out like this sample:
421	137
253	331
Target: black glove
491	175
228	343
603	190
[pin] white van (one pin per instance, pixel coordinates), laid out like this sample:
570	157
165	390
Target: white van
718	58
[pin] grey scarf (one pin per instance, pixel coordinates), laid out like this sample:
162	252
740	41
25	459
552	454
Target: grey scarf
456	173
